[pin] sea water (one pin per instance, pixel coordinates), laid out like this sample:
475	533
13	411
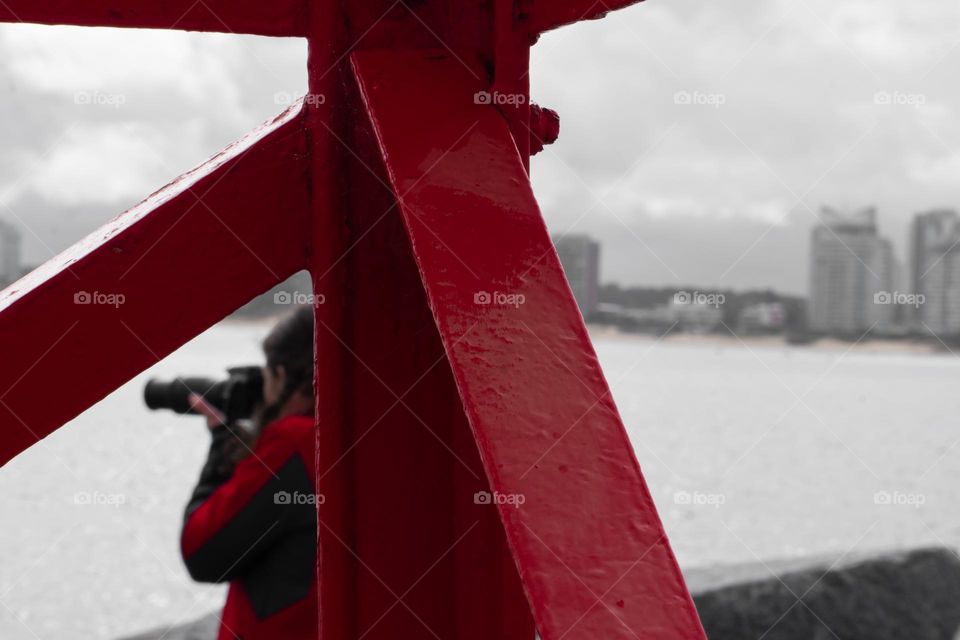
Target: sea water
750	450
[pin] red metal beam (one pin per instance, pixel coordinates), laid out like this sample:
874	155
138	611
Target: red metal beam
589	546
405	550
267	18
550	14
410	203
153	278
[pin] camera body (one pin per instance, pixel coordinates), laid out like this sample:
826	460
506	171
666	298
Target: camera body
237	397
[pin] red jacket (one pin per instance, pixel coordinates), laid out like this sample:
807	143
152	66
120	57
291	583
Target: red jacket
255	527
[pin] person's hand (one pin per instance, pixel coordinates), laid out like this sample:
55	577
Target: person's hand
214	416
235	443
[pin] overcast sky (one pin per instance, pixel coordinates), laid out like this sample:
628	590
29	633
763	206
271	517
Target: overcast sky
698	140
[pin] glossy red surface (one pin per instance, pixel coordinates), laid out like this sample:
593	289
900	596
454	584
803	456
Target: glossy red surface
398	465
152	279
593	555
544	127
273	18
550	14
451	358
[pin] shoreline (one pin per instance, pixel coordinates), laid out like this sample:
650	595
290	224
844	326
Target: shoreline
871	345
612	334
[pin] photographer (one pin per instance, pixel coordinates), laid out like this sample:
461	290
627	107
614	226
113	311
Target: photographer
252	518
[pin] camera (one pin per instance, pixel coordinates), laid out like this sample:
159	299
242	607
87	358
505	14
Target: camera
237	396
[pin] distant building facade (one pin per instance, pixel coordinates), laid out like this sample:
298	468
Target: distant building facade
852	274
9	253
763	317
580	257
935	270
695	312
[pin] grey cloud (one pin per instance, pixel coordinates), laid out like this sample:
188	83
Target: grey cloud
798	82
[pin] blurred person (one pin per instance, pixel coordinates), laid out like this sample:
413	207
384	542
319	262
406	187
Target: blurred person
251	520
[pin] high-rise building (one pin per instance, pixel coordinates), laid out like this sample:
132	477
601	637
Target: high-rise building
852	272
935	262
580	257
9	253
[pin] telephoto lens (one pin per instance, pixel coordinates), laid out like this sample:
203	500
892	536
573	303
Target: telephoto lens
237	396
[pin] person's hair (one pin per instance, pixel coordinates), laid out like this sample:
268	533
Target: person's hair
290	345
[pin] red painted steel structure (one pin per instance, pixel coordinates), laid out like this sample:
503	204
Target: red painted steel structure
407	198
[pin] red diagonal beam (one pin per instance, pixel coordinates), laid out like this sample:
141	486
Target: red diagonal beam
151	280
550	14
265	18
589	546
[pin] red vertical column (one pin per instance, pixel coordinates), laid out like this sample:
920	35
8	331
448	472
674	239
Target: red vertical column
405	550
511	79
432	560
327	114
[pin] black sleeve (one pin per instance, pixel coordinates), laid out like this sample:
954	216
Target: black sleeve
237	516
216	470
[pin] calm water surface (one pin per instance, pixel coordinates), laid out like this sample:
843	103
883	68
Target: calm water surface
749	451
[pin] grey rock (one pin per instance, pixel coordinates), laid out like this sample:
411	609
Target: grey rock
901	596
203	629
897	596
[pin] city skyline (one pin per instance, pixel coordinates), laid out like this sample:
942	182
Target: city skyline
848	104
903	248
856	283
